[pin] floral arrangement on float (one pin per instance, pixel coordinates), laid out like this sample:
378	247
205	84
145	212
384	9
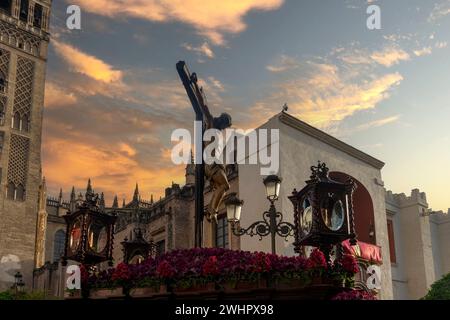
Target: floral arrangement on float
215	269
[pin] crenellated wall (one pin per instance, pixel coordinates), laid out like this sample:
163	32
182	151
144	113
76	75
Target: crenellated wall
421	250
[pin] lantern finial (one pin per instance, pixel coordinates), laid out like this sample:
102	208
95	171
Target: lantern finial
319	172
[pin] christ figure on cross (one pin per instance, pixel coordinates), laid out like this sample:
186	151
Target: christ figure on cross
215	172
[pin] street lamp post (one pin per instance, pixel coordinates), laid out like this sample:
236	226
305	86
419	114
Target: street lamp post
138	249
272	223
18	283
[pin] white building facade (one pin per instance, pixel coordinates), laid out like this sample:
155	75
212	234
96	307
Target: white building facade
302	146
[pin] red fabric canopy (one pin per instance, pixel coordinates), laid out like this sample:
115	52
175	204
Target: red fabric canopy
363	250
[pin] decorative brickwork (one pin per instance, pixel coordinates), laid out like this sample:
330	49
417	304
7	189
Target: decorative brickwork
23	95
4	62
22	40
18	160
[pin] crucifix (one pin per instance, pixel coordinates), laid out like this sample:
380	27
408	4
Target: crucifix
215	172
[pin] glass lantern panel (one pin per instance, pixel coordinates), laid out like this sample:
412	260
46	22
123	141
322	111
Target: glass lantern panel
306	219
231	208
337	216
332	213
97	236
237	214
75	234
137	259
271	189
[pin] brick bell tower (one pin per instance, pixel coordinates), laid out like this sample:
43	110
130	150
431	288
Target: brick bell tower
24	39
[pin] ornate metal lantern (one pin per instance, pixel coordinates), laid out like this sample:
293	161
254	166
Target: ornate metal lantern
90	233
323	211
137	249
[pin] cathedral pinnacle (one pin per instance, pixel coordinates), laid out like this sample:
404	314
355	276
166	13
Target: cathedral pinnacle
115	204
136	194
102	201
72	194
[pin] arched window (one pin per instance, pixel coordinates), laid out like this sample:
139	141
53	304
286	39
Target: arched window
16	121
25	123
222	233
20	193
2	83
23	14
11	191
35	49
37	18
58	244
5	5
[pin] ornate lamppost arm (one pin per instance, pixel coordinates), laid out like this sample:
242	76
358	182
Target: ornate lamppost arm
285	230
260	228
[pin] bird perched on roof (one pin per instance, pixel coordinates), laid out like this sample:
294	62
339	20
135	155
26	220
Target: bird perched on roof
285	107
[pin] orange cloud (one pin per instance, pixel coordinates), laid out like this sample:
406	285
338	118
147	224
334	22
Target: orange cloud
324	94
127	149
390	56
378	123
116	143
335	104
70	163
88	65
55	95
210	18
423	52
284	63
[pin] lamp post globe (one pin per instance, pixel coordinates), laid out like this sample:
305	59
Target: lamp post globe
272	184
234	207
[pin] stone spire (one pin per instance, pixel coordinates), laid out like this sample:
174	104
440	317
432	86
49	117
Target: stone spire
60	196
102	201
190	171
151	198
72	194
89	191
123	203
115	204
136	194
73	201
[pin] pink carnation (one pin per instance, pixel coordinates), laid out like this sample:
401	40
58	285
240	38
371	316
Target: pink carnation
165	270
350	264
316	260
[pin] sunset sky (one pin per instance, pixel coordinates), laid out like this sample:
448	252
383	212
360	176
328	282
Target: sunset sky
113	95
